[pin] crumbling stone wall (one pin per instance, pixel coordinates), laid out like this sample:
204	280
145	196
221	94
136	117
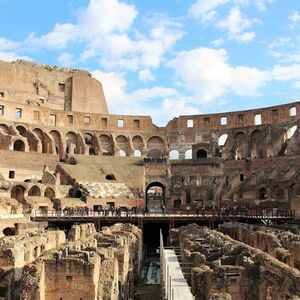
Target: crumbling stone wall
222	264
281	244
89	266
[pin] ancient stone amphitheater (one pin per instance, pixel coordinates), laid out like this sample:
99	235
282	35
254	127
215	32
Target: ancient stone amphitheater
73	176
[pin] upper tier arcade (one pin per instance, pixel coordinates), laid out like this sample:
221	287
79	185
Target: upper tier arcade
51	110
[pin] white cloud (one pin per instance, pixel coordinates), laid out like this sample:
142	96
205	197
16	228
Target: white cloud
208	74
236	25
294	19
66	59
11	56
6	44
105	30
146	75
205	10
217	43
286	73
140	101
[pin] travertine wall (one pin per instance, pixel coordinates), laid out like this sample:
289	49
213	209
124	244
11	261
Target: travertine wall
27	83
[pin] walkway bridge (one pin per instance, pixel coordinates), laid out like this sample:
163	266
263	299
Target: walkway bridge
171	217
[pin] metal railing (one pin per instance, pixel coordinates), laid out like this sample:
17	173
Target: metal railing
109	214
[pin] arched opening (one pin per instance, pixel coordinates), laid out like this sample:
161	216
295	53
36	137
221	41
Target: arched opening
74	193
89	141
174	154
201	153
49	193
209	194
155	153
291	131
34	191
188	154
4	129
22	130
110	177
137	153
9	231
177	204
57	141
222	139
40	134
138	143
106	144
122	143
155	197
19	146
71	141
155	143
262	194
122	153
17	192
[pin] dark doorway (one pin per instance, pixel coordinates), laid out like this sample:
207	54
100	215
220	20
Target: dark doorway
151	234
201	154
19	146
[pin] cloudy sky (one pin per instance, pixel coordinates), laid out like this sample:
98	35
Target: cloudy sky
165	58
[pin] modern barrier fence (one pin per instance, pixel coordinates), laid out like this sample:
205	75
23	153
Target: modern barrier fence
174	285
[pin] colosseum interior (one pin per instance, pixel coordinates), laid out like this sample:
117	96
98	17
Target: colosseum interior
101	206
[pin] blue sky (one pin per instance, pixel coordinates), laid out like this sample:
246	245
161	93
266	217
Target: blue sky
169	57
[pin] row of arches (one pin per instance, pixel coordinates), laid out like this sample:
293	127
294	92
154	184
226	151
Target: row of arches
18	192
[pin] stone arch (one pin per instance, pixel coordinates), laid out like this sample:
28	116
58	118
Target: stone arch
137	153
71	141
4	129
49	193
155	196
123	144
89	142
254	136
222	139
262	193
201	153
188	154
34	191
40	135
57	145
155	142
17	192
174	154
106	144
19	145
22	130
138	142
238	137
155	153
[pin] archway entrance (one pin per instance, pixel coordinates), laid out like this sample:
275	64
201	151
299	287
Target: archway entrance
17	192
155	197
19	146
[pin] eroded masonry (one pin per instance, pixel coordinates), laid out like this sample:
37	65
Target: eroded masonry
73	176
